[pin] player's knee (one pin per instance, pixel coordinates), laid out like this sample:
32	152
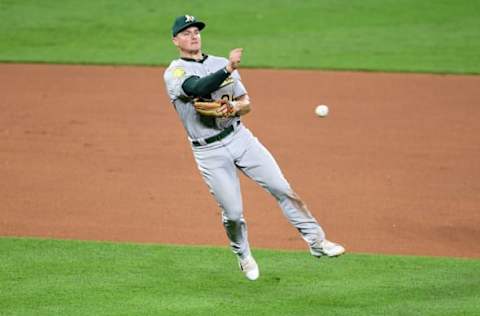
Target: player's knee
233	215
280	190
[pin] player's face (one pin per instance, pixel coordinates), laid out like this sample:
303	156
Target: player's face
188	40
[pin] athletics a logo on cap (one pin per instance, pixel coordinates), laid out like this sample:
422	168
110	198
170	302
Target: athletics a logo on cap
189	18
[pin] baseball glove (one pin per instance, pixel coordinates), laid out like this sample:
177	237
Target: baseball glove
215	108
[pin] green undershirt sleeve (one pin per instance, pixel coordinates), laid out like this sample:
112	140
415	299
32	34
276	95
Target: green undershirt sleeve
203	87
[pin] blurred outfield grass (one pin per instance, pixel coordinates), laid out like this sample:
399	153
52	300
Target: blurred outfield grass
439	36
56	277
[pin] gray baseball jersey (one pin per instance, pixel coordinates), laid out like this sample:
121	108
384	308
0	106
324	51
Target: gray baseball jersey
196	125
219	160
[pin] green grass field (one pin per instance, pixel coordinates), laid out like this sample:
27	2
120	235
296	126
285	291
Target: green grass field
52	277
440	36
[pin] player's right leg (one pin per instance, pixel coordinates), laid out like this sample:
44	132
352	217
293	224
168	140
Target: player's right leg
220	174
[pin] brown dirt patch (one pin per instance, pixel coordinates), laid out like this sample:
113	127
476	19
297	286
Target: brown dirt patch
98	153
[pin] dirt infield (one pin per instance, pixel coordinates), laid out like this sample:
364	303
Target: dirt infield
98	153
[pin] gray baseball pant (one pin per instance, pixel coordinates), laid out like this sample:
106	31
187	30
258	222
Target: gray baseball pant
218	163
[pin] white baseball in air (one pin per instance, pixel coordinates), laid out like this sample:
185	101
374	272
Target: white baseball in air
321	110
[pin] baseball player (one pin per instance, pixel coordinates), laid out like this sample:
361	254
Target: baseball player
210	99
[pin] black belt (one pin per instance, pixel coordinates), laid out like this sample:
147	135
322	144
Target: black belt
217	137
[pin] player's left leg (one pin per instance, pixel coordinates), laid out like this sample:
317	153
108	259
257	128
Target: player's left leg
258	164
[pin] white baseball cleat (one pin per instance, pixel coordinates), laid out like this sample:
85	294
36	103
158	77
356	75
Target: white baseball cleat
249	267
326	248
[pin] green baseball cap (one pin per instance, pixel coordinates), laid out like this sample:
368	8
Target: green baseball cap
185	21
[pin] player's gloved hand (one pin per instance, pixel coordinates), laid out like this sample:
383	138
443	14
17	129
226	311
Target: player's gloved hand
215	108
